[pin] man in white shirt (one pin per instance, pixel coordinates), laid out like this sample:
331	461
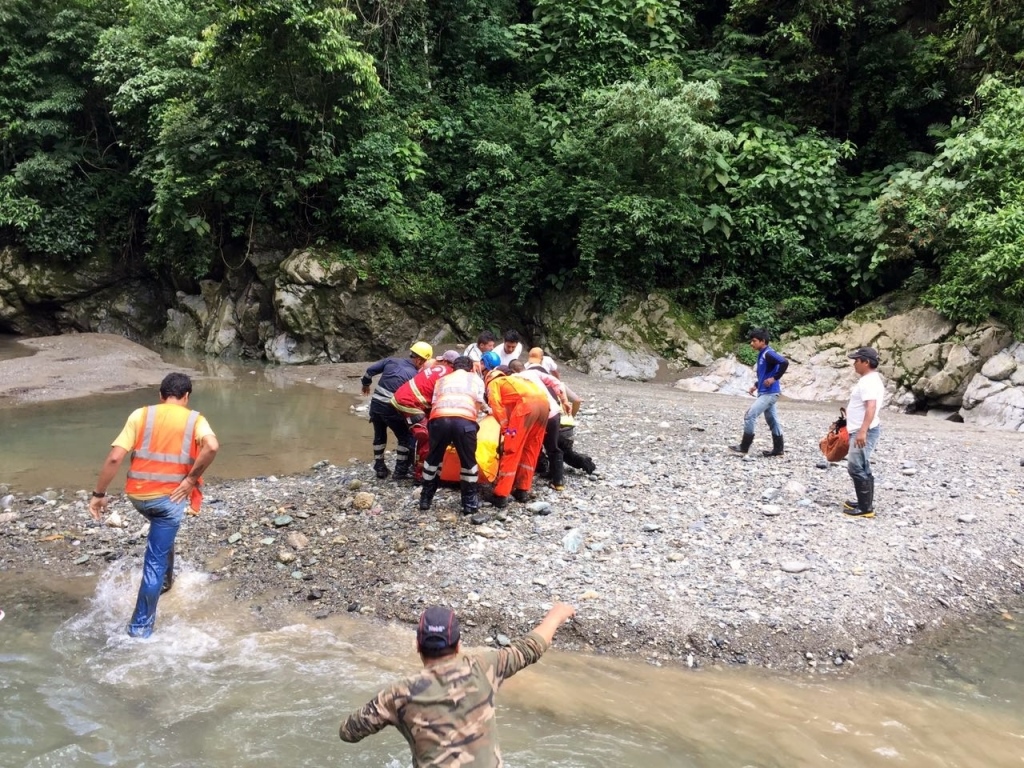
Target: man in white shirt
511	347
484	343
863	424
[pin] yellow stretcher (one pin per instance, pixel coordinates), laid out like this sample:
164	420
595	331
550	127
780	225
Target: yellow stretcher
487	440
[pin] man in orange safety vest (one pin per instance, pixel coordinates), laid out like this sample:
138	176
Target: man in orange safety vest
171	446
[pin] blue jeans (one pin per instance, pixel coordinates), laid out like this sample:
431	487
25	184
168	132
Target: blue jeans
858	460
764	404
165	518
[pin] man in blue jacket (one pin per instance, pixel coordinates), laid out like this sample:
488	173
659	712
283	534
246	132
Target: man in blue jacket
393	372
770	367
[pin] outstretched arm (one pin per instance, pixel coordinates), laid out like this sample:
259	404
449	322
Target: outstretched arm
556	617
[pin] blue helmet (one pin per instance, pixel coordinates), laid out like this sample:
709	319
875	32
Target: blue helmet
490	360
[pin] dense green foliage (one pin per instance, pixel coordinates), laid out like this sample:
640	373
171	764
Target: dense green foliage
786	159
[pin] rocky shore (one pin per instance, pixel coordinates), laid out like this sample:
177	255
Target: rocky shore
676	551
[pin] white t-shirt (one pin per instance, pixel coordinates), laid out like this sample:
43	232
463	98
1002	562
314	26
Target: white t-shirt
869	387
547	363
473	353
507	358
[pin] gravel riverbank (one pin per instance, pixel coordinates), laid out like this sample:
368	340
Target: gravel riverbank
676	551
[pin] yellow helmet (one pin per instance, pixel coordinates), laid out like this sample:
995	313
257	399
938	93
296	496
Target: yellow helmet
422	349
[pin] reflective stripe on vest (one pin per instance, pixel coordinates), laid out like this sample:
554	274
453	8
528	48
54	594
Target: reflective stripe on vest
455	396
152	470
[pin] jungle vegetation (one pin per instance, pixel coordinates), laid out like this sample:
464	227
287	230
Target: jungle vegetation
787	159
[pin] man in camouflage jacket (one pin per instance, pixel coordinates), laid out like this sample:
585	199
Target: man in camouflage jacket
446	711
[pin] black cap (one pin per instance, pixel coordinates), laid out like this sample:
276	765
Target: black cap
438	632
864	353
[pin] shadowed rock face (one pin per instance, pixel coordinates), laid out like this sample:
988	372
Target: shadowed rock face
39	299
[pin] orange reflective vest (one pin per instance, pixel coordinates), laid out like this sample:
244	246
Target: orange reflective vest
506	392
457	395
165	450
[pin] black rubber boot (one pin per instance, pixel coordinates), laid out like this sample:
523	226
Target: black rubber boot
777	446
381	469
745	443
402	470
470	499
427	493
865	499
169	576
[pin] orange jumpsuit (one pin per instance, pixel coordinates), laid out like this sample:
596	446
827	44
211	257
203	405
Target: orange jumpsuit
521	408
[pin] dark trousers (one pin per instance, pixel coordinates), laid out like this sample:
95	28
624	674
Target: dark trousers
556	461
452	431
387	418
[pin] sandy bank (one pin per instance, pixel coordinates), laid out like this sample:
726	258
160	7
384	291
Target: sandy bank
76	365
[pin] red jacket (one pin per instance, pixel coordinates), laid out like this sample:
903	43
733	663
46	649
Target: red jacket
413	398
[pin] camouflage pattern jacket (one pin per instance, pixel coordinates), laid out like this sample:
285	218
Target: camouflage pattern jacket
446	712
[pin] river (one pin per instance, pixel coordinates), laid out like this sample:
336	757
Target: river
222	685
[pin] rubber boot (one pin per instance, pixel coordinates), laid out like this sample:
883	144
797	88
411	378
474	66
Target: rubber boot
427	492
470	499
401	470
865	499
381	469
745	443
777	446
169	576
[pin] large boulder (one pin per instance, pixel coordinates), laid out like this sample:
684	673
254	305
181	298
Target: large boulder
302	307
38	297
995	395
642	337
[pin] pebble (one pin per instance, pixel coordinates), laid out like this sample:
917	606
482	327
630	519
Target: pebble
485	531
285	556
503	641
8	517
794	566
363	500
234	538
297	540
282	520
355	484
771	510
967	517
909	471
572	541
7	502
540	507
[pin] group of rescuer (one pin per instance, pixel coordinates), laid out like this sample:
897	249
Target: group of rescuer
431	404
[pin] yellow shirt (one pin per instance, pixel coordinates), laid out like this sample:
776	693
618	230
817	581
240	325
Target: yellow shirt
126	440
